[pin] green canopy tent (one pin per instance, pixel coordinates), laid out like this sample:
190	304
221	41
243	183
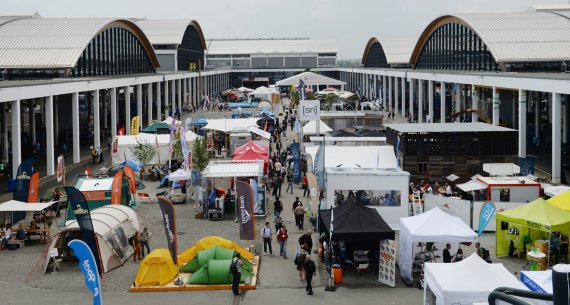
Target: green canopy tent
158	128
532	221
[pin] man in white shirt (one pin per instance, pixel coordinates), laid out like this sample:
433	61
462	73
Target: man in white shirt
267	236
448	189
7	236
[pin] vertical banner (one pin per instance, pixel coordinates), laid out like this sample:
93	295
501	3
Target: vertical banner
59	173
88	265
184	146
246	210
131	179
387	264
169	218
80	209
157	150
487	211
319	168
301	90
117	188
259	207
172	129
33	193
210	140
313	193
115	148
23	177
135	126
296	155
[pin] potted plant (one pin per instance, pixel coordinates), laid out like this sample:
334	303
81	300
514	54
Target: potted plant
144	153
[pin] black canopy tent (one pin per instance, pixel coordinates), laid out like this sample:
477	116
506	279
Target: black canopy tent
355	222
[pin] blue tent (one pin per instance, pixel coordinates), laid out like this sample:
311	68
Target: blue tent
135	165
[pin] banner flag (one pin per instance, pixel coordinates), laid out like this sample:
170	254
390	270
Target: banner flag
78	204
59	168
301	90
319	167
188	122
135	126
87	171
117	188
33	193
131	179
88	266
157	150
296	155
398	149
184	146
313	193
246	210
487	211
172	129
169	218
23	177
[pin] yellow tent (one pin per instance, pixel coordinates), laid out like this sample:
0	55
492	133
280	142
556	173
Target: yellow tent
209	242
561	201
157	268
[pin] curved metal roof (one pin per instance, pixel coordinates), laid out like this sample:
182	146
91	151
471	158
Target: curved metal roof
398	50
513	37
37	43
169	32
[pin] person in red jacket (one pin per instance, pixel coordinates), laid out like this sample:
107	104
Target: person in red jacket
282	237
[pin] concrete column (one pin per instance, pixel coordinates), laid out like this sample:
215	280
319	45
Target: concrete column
420	101
403	97
474	103
149	102
56	120
565	123
139	105
180	97
33	119
458	100
390	89
522	123
158	102
96	120
397	95
49	136
496	106
411	97
16	137
128	110
75	126
537	121
185	89
6	152
430	101
442	103
166	98
556	138
105	116
113	112
173	96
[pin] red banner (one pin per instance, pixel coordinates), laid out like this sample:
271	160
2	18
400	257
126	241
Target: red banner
117	188
33	190
87	171
131	179
59	168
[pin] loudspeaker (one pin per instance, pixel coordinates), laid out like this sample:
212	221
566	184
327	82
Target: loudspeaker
504	225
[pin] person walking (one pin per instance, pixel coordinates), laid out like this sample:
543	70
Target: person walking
306	240
267	236
144	242
310	271
235	269
299	216
278	184
296	203
305	185
282	237
277	208
136	243
446	254
289	183
300	257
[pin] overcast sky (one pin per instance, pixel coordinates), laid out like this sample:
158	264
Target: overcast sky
350	22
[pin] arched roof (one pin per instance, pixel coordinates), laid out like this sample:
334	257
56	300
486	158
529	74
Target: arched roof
56	43
169	32
512	37
397	49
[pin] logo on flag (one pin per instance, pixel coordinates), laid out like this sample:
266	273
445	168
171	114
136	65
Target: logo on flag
487	212
88	266
59	168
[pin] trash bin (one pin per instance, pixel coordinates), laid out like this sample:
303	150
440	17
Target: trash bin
337	272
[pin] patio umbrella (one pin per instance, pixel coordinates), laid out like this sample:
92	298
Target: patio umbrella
159	128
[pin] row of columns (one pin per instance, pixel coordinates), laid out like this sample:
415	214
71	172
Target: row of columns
394	97
178	93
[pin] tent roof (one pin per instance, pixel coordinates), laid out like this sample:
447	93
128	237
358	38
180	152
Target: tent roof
250	155
107	217
553	191
311	128
310	79
354	221
482	277
251	145
20	206
180	174
155	127
169	120
562	200
538	212
368	156
472	185
227	125
233	169
85	184
259	132
436	225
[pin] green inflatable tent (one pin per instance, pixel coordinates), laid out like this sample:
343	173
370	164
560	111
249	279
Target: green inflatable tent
204	256
217	272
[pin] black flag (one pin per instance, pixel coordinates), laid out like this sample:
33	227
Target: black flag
245	208
169	218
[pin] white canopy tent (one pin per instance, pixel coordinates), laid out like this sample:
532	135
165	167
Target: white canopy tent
260	132
310	79
11	206
228	125
180	174
432	226
467	282
161	141
360	156
552	191
472	185
220	169
311	128
169	120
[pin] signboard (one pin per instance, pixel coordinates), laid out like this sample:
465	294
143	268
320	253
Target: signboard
487	212
387	264
309	110
59	168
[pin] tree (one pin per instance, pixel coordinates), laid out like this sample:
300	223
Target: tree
177	146
143	152
200	154
294	100
329	97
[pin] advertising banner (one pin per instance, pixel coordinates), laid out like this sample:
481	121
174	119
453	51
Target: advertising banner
169	218
131	179
387	265
487	212
23	177
117	188
135	125
78	204
246	215
33	193
296	155
313	193
88	265
310	110
60	168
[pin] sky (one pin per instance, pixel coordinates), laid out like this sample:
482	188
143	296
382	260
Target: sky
350	22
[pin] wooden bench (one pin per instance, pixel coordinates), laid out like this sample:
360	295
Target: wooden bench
20	242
